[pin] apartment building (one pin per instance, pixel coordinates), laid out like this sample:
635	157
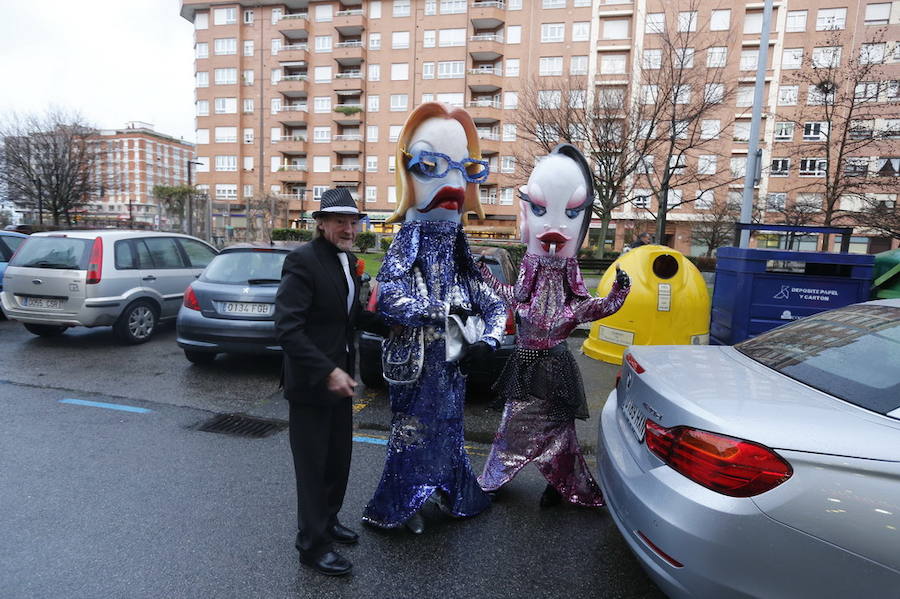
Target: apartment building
294	96
130	162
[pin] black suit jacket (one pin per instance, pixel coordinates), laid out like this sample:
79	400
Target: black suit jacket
312	322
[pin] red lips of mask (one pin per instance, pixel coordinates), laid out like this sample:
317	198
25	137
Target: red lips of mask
551	237
448	198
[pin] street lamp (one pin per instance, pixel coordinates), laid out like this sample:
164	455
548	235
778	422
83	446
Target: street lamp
190	214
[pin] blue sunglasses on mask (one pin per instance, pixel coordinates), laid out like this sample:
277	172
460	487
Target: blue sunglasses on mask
437	165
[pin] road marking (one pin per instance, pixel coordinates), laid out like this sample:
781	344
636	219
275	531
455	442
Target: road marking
372	440
108	406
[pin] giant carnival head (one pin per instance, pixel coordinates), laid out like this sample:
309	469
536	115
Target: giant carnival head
556	203
439	165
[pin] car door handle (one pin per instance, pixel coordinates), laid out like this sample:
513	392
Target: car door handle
149	278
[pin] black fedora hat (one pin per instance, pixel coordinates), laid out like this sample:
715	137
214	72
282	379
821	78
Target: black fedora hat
337	201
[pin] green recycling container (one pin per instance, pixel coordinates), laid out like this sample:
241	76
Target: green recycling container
887	275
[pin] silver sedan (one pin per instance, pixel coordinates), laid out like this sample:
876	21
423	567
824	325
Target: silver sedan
767	469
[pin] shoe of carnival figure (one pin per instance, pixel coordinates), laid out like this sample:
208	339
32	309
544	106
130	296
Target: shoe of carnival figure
541	384
429	276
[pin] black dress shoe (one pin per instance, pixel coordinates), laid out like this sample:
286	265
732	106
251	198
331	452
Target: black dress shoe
343	535
331	563
415	524
550	497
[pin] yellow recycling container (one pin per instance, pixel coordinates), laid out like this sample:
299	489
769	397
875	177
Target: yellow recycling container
668	305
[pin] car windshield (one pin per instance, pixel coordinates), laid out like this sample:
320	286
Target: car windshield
851	353
253	267
54	252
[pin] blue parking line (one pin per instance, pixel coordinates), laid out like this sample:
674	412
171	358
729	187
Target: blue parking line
109	406
372	440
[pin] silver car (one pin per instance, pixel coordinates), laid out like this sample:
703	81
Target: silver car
231	307
130	280
767	469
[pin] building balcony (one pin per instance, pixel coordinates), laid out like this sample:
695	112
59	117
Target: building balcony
485	47
489	142
350	22
349	53
346	174
291	143
485	79
348	81
348	114
293	115
487	14
347	144
294	26
292	83
292	173
485	111
294	53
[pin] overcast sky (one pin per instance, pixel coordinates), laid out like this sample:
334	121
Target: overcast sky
112	60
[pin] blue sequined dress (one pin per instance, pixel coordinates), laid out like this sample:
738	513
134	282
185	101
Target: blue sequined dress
425	452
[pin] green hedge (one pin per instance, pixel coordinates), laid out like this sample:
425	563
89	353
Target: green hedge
516	250
386	243
365	241
291	234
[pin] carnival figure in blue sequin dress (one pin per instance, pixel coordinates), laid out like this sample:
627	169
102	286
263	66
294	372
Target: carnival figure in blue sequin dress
427	275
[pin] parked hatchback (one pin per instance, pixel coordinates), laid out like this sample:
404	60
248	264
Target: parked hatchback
9	243
130	280
231	307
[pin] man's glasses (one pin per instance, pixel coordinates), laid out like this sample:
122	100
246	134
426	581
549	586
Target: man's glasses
437	165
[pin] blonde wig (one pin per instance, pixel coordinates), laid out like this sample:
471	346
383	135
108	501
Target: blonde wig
404	186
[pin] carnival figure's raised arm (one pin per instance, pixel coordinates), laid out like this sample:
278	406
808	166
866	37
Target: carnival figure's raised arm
541	383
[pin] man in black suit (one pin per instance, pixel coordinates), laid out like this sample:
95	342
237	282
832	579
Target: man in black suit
316	310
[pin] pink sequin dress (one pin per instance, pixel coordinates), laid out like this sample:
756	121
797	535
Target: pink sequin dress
541	384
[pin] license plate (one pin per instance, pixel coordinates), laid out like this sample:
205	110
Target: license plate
634	418
246	308
42	302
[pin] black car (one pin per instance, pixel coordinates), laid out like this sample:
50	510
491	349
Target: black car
483	375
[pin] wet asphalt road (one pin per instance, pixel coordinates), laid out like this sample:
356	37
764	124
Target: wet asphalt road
105	503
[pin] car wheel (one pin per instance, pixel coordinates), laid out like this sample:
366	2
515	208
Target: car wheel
199	357
46	330
137	323
370	373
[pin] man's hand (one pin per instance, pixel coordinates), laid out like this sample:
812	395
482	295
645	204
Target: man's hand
340	383
622	278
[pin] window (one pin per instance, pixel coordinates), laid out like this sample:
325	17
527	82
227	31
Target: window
399	71
787	95
784	131
749	60
224	16
514	34
864	129
323	43
872	53
720	20
201	50
556	32
780	167
248	136
706	164
275	76
321	135
577	65
275	134
202	136
829	19
322	74
738	167
613	29
684	58
202	79
744	95
226	135
201	20
891	129
453	7
581	31
612	97
656	22
374	72
400	8
577	98
813	167
224	46
641	198
392	163
705	199
878	14
856	167
275	105
687	21
796	21
652	58
371	193
553	4
892	89
375	9
322	104
512	67
248	76
374	41
371	164
226	163
248	163
429	39
510	100
318	192
392	194
649	93
753	23
248	47
611	64
674	198
553	65
818	95
815	131
775	202
549	98
867	91
716	56
453	69
644	166
248	190
248	105
400	40
509	132
399	102
324	13
373	102
451	37
226	76
248	17
506	196
507	164
277	15
226	105
714	93
372	133
792	58
682	94
887	166
394	133
321	164
826	57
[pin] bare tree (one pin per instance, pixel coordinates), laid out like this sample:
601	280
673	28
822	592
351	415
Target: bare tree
263	209
717	227
48	163
174	200
840	124
879	215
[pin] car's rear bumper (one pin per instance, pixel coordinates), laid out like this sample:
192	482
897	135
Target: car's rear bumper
84	316
727	546
219	335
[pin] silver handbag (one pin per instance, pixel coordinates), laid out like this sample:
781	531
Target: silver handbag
459	335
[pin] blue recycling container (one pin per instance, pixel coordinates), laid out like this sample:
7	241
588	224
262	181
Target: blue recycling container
760	289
